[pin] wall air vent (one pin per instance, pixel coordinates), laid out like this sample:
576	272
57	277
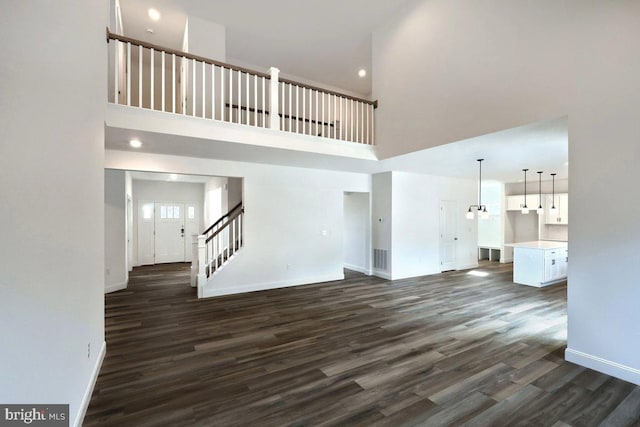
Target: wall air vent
380	259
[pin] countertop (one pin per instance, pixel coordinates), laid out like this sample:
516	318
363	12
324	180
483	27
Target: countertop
539	244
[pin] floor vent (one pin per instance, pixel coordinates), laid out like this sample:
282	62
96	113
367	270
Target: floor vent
380	259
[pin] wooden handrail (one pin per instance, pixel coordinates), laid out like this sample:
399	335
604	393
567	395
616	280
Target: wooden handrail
136	42
220	230
221	218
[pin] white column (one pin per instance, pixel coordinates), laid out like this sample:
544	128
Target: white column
202	249
274	110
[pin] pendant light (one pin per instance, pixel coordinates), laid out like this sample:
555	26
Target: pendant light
553	194
540	210
482	209
525	208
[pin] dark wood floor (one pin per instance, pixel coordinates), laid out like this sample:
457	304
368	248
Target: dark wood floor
439	350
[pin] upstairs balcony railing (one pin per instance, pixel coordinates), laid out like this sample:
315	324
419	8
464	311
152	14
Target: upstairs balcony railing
153	77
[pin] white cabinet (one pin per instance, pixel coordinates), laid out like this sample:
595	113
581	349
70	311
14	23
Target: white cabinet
539	263
516	203
561	215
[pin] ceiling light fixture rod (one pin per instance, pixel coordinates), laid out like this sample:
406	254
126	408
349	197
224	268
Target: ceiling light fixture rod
553	192
525	208
540	209
482	209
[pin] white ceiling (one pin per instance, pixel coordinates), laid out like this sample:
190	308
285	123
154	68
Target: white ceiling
540	146
324	41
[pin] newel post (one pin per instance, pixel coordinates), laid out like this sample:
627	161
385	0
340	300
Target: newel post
202	251
274	108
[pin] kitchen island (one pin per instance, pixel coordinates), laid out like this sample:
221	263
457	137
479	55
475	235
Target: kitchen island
539	263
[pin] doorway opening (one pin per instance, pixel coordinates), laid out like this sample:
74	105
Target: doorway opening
357	233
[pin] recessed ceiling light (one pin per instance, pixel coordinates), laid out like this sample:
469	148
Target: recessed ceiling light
135	143
149	30
362	72
154	14
173	176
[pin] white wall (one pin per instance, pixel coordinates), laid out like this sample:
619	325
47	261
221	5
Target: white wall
287	210
53	84
128	189
115	233
491	230
234	195
164	191
381	220
479	68
416	223
215	200
357	231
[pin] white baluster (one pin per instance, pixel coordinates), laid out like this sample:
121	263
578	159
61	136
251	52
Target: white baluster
317	114
373	125
352	120
163	80
222	93
282	105
264	102
116	64
230	95
173	82
335	115
322	128
193	87
151	83
239	97
367	123
213	92
204	88
290	109
274	108
255	100
140	76
247	99
297	109
304	110
129	74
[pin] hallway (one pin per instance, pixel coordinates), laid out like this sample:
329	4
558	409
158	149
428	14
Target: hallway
436	350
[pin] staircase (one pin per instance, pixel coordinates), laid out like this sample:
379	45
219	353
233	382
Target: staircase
217	246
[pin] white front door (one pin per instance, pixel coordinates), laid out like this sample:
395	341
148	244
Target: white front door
170	233
448	238
190	229
146	238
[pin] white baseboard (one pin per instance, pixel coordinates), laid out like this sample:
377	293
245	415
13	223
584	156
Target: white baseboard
381	274
115	287
608	367
358	269
214	291
468	266
84	404
506	260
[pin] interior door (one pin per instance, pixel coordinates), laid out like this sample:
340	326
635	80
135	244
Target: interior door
448	238
169	233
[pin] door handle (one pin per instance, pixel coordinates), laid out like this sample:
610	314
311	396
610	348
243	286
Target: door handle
455	238
182	231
